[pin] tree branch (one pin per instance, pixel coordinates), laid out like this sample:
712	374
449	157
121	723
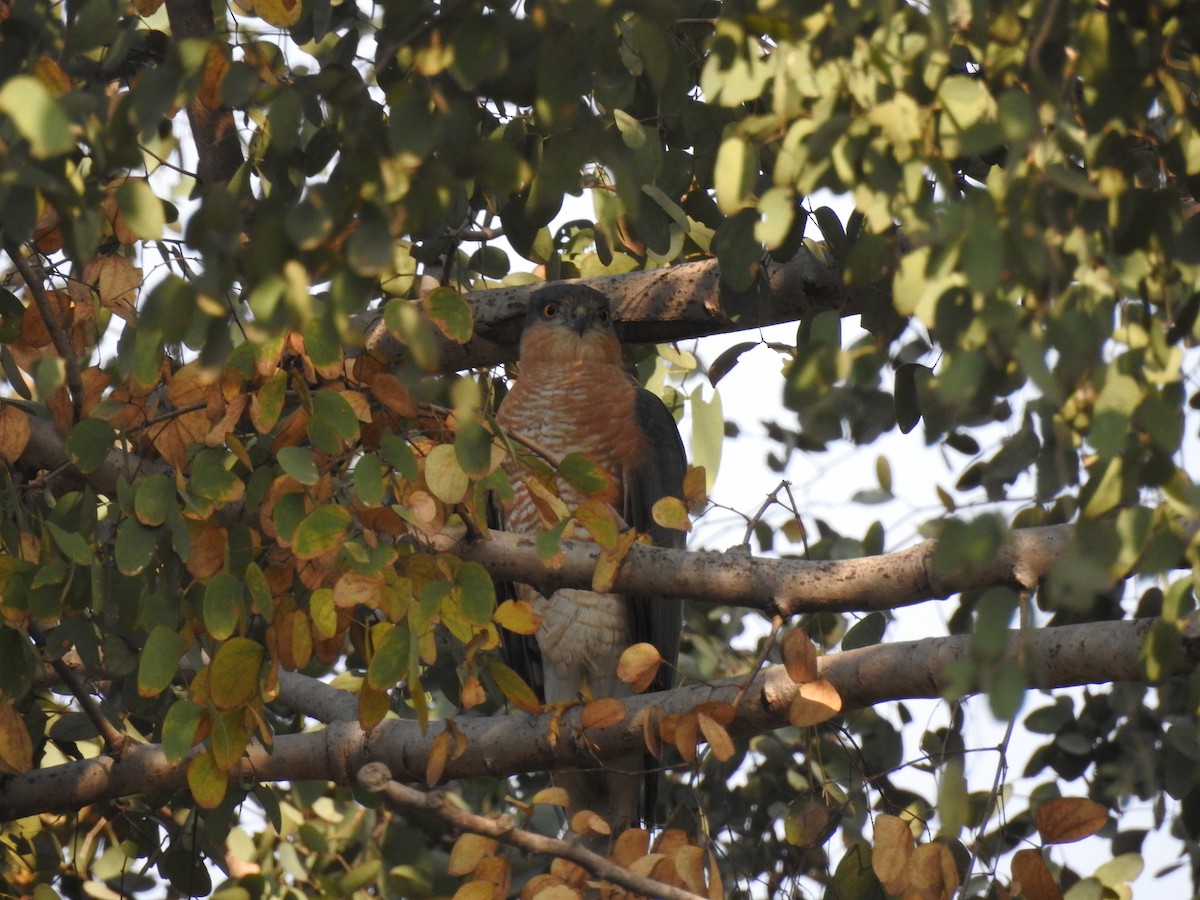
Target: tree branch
376	778
1093	653
653	306
783	587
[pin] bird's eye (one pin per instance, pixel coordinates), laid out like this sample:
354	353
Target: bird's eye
550	310
602	315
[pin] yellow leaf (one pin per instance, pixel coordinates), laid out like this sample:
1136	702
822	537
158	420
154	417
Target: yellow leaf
446	479
814	703
551	796
608	566
638	665
631	845
476	890
603	713
1068	819
669	512
799	656
353	588
517	616
587	822
600	521
373	705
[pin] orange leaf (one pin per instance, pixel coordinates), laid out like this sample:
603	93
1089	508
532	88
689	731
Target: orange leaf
436	764
587	822
468	852
638	665
603	713
552	796
717	737
814	703
687	735
1068	819
799	656
631	845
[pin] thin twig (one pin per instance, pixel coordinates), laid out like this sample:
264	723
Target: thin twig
115	740
772	637
376	778
53	326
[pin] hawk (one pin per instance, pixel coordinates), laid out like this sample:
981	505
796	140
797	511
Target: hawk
573	394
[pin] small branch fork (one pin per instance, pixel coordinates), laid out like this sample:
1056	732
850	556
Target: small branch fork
115	741
376	777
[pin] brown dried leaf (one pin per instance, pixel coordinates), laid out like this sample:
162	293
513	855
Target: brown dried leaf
631	845
932	873
638	665
548	887
814	703
893	849
587	822
1031	878
1067	819
652	732
689	863
439	751
799	656
14	432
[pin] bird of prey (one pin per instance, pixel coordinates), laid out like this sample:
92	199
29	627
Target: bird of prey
573	394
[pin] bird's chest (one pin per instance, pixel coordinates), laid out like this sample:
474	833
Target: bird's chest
573	409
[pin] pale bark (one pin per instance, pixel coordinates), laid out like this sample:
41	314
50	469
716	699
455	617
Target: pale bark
502	745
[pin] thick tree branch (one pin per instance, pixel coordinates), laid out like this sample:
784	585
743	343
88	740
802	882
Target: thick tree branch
376	778
684	301
1094	653
781	587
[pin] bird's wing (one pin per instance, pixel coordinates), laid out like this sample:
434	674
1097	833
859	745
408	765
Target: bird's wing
656	620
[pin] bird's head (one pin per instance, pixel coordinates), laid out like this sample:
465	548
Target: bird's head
568	323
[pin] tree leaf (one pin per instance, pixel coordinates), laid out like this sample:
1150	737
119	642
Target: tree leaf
638	666
514	688
16	748
451	314
815	702
158	661
37	115
89	444
603	713
669	512
14	432
445	476
206	781
299	463
518	616
180	728
234	673
223	606
321	531
1068	819
799	656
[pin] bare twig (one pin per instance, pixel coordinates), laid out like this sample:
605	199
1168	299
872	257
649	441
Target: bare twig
61	342
376	777
116	742
776	625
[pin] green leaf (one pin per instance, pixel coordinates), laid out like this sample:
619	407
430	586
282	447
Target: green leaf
141	209
866	632
211	479
473	447
708	433
158	661
322	530
38	116
368	479
223	605
74	545
153	498
332	406
451	314
477	592
12	310
583	474
234	673
389	663
299	463
135	546
89	444
180	726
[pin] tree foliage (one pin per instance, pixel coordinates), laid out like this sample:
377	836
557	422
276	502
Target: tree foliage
254	284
